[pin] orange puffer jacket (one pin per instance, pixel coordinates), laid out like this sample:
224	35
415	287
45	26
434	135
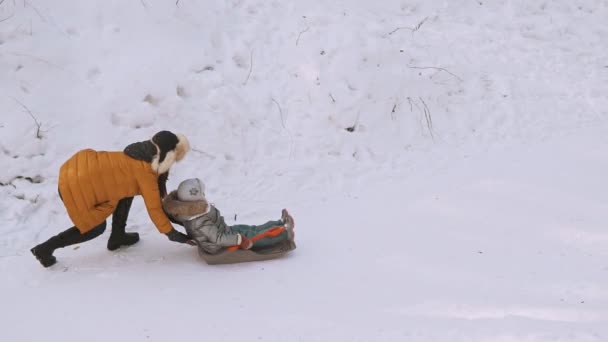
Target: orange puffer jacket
92	182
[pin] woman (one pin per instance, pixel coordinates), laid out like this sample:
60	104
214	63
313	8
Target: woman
96	184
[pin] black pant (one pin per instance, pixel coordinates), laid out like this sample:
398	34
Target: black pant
73	236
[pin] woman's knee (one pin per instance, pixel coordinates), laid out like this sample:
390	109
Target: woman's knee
96	231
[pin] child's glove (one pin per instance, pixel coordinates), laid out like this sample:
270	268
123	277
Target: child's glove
178	236
245	242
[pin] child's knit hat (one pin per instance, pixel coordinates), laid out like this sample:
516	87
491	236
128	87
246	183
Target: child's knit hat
191	190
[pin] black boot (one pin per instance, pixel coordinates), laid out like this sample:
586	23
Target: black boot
44	254
119	238
44	251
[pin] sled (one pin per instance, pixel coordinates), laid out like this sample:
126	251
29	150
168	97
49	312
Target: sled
232	255
247	255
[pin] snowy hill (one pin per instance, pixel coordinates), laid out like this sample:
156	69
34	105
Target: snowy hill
445	162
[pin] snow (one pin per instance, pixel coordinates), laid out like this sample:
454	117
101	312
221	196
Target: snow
467	204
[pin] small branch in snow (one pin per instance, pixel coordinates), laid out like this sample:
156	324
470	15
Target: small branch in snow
280	112
399	28
250	68
202	152
25	2
38	124
332	98
428	118
177	3
409	99
291	142
38	59
420	25
412	29
354	126
435	68
393	111
299	35
7	18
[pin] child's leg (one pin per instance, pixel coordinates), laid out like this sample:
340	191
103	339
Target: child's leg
251	231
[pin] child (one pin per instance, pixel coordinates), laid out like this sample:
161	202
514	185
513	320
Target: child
207	227
96	184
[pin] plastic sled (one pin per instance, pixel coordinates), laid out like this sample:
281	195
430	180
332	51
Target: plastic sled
231	255
242	255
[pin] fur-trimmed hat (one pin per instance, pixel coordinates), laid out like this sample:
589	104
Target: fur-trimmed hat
162	151
191	190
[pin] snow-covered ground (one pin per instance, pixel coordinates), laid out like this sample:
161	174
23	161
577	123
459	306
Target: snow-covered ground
445	162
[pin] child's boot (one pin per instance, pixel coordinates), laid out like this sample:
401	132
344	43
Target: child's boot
289	223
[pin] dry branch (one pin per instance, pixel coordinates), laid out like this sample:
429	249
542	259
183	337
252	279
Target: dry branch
419	25
435	68
428	118
38	124
412	29
280	112
202	152
43	18
299	35
250	68
354	126
7	18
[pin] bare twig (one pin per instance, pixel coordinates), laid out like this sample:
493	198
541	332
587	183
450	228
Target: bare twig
354	126
409	99
43	18
291	141
202	152
412	29
393	111
299	35
37	59
428	118
206	68
7	18
435	68
400	28
250	68
280	112
419	25
177	3
38	124
332	98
